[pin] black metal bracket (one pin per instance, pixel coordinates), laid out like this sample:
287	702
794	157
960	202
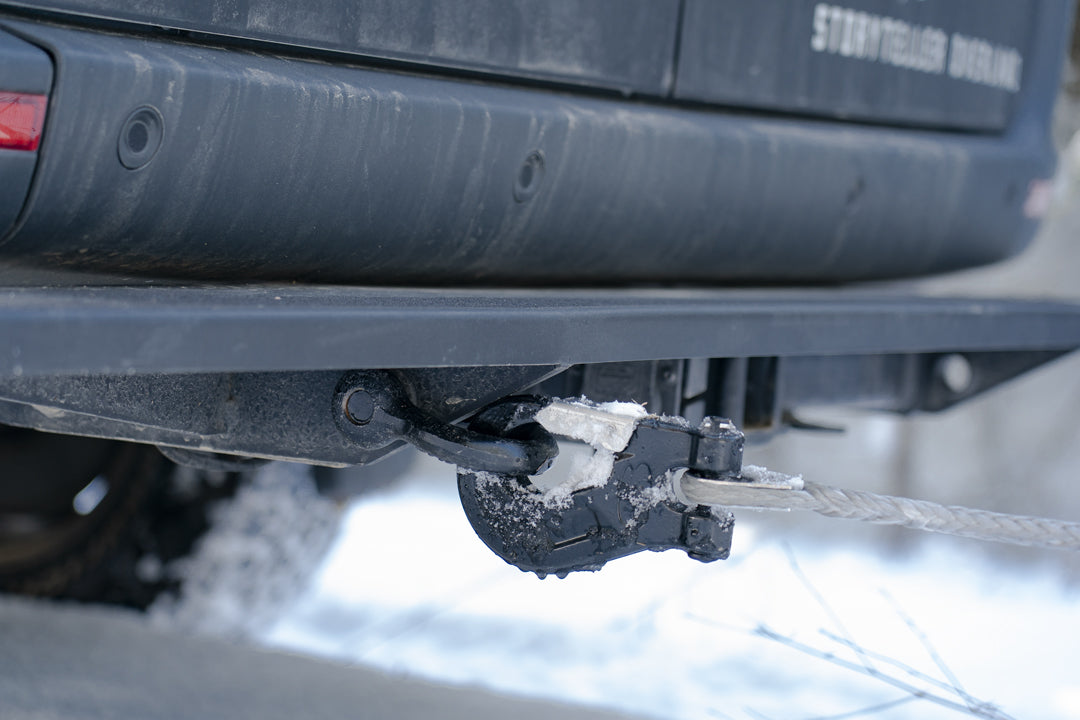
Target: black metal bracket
371	408
207	419
636	509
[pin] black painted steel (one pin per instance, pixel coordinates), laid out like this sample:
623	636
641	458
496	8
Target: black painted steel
387	416
285	415
631	511
223	329
25	68
624	45
876	60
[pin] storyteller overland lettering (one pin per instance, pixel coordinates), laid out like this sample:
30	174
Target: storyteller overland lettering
877	38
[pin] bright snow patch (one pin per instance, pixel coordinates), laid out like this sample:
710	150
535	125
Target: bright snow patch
606	427
765	476
256	558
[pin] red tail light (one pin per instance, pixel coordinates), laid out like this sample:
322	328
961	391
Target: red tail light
21	119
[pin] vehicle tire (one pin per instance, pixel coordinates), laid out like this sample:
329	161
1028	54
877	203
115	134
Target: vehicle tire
111	546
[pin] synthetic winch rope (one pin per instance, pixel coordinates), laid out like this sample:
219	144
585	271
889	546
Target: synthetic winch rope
781	492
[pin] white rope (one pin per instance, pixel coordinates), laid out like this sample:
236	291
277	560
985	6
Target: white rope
783	492
947	519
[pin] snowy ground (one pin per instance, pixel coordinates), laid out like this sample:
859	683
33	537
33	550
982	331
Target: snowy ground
409	588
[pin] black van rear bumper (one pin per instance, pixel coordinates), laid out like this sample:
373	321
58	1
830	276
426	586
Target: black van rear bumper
282	169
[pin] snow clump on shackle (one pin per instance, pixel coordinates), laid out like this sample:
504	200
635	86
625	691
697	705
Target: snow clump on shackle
607	427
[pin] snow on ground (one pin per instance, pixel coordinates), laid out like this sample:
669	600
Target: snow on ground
408	587
256	557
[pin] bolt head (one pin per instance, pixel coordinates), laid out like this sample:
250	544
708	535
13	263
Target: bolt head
360	407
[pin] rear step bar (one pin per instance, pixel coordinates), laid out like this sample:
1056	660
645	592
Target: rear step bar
89	330
277	371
